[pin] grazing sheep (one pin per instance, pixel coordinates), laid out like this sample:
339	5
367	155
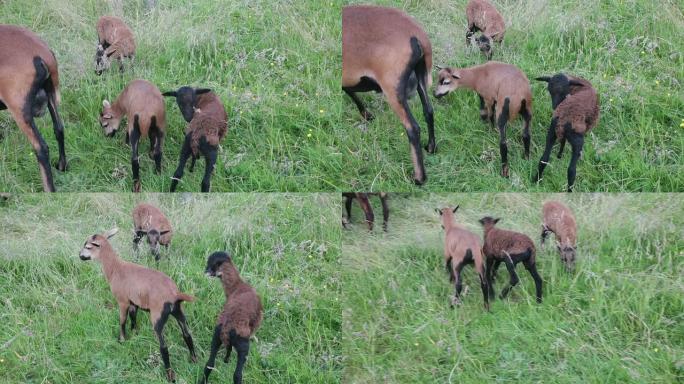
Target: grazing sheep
510	248
382	48
29	81
483	16
575	112
504	93
241	316
208	125
558	218
143	106
136	287
462	247
149	221
364	202
115	41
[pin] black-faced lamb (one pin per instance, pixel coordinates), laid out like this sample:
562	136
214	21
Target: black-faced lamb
136	287
115	42
504	93
207	126
364	203
575	112
29	81
149	221
462	247
483	16
382	48
142	105
510	248
241	316
558	218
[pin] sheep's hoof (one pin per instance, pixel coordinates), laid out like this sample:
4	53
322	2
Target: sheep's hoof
418	181
504	171
136	186
431	148
367	116
170	375
193	358
484	116
455	301
122	339
61	165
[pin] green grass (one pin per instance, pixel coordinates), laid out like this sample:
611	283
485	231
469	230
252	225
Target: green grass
60	322
619	318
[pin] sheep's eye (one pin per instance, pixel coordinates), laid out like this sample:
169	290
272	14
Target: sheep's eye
96	245
446	82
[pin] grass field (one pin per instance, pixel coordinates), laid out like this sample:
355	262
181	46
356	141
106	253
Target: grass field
618	319
60	322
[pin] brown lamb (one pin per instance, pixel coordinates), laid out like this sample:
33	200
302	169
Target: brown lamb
142	105
149	221
115	41
136	287
385	50
484	17
241	316
510	248
29	81
576	109
462	247
364	202
558	218
504	92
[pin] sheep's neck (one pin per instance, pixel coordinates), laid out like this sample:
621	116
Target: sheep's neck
468	79
230	279
117	111
110	262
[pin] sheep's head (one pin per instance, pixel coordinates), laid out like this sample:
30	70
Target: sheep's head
488	222
448	81
214	263
153	238
447	215
91	248
108	121
102	61
559	87
567	255
485	44
186	98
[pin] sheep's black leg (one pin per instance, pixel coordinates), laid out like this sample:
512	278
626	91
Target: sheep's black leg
562	147
135	164
359	104
497	263
40	148
492	115
367	209
550	140
470	32
132	313
577	142
545	233
421	72
484	115
123	315
182	323
210	155
242	349
163	350
347	206
514	277
449	270
385	211
503	147
128	139
192	164
459	284
185	153
158	152
57	125
485	290
532	268
215	346
490	281
527	117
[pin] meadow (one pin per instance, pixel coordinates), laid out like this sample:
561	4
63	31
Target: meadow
60	322
618	319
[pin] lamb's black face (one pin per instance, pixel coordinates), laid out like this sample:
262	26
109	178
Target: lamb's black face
485	45
186	98
488	221
214	263
559	89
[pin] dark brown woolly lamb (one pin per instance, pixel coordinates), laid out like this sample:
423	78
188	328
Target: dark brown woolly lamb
462	247
504	93
575	112
364	202
558	218
483	16
241	316
510	248
208	125
382	49
29	81
150	222
115	41
142	105
136	287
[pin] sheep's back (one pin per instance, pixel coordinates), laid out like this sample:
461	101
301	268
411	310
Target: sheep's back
500	241
242	312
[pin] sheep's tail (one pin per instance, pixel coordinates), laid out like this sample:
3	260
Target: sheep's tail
184	297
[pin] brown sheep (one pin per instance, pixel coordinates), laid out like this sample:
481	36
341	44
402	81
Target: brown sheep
575	112
364	202
142	105
558	218
241	316
504	92
29	81
136	287
149	221
383	49
462	247
483	16
510	248
208	125
115	40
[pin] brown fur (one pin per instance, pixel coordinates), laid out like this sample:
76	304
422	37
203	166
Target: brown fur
242	311
210	121
147	216
580	108
114	31
364	203
19	47
485	17
559	219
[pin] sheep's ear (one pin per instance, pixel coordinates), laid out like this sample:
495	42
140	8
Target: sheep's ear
497	220
543	78
455	76
109	234
576	83
455	209
438	211
481	221
170	93
200	91
106	104
162	233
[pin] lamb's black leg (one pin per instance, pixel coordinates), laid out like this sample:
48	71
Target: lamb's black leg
359	104
562	147
186	152
135	163
577	142
192	164
527	118
215	346
503	147
229	349
459	284
550	140
485	291
421	72
57	126
180	318
484	114
514	277
163	350
532	268
347	206
210	155
242	349
385	211
544	234
490	281
367	209
132	313
497	263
